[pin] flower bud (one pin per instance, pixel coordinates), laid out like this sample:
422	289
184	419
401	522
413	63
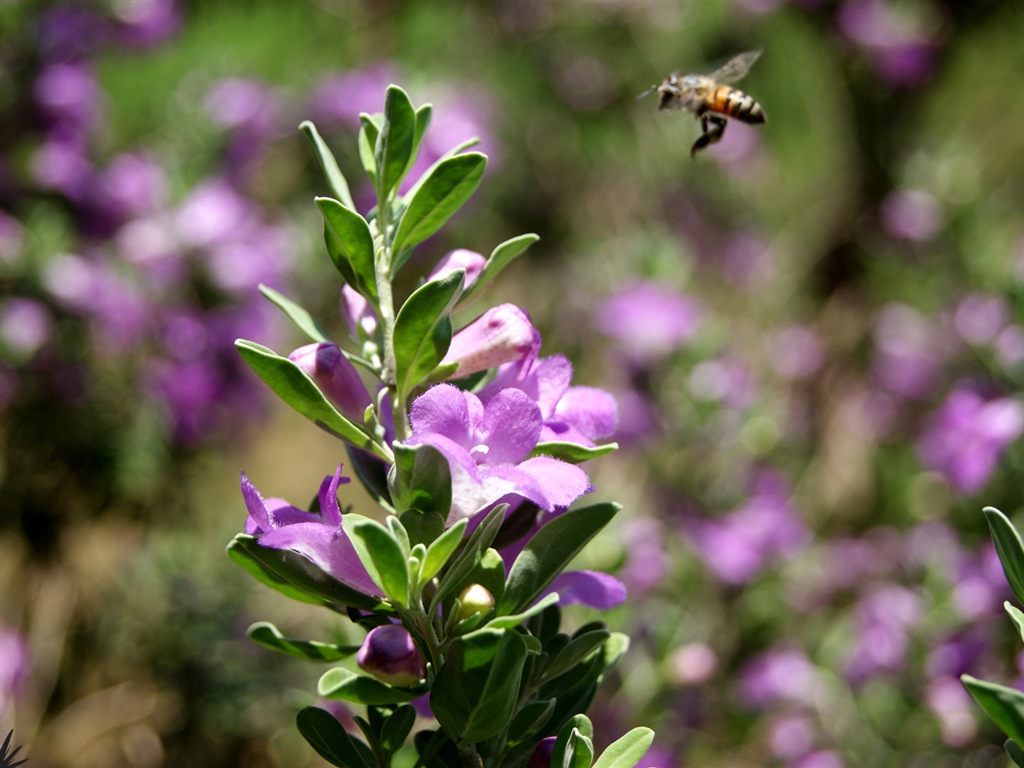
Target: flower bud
358	313
502	334
389	654
474	599
336	377
541	757
471	261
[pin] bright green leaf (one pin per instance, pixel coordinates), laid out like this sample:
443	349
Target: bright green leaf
297	314
341	683
420	479
574	652
511	621
381	555
1017	616
627	751
328	164
266	634
423	114
441	193
350	245
368	132
1010	549
292	385
423	329
548	553
394	145
500	258
423	528
442	548
573	453
1004	705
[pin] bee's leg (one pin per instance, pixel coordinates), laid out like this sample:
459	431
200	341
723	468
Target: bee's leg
713	128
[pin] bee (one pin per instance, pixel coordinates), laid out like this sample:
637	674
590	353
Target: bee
711	99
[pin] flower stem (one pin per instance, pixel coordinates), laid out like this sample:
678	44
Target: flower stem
382	273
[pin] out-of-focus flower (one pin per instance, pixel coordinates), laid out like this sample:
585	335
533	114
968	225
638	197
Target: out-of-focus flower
797	352
912	214
487	449
340	98
502	334
900	40
909	350
978	318
648	321
954	708
336	376
782	674
820	759
886	616
724	380
692	664
647	565
25	326
146	23
389	654
965	438
736	547
792	736
319	537
14	667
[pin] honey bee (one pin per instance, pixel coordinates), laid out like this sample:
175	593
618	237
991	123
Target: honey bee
711	98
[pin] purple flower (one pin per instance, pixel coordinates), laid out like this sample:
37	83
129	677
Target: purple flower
912	214
909	351
899	40
25	326
593	589
318	537
797	352
954	708
337	378
487	448
648	321
780	675
502	334
578	415
965	438
541	755
358	314
14	667
886	616
146	23
469	261
340	98
389	654
979	318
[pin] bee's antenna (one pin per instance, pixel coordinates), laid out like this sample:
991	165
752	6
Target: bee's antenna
648	92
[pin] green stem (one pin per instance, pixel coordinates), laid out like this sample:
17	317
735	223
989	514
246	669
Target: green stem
382	273
470	757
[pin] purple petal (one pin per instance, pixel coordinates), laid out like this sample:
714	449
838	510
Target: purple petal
458	457
590	410
330	511
326	546
562	483
551	376
511	427
591	588
470	261
443	410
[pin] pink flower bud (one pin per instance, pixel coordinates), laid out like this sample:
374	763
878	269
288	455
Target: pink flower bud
336	377
502	334
389	654
358	313
471	261
474	599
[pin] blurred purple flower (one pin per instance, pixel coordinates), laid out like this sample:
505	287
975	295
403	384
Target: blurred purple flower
648	321
250	111
912	214
781	674
792	736
339	99
737	546
820	759
979	318
979	585
146	23
317	536
593	589
487	448
647	564
68	31
885	615
692	664
69	98
212	214
12	238
1008	346
724	380
954	708
746	260
909	351
15	667
132	185
62	165
797	352
965	438
25	326
899	39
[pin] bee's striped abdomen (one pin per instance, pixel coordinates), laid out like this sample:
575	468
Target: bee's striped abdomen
734	103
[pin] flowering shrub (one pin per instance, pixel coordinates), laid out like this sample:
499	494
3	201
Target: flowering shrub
470	443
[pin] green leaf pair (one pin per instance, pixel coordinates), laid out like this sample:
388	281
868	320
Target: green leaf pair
574	747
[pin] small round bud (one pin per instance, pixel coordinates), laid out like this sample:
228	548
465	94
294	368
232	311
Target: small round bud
389	654
541	757
474	599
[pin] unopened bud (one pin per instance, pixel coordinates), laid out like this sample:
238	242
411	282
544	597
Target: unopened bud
541	757
474	599
470	261
337	378
389	654
502	334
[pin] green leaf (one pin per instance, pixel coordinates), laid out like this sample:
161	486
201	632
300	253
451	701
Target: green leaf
368	132
1015	752
470	556
372	473
328	164
292	385
394	145
573	453
500	258
423	115
1010	549
1004	705
574	652
475	691
331	741
423	329
420	479
381	555
441	550
627	751
574	737
396	728
296	576
442	192
511	621
350	245
550	551
1017	616
423	528
297	314
341	683
529	720
266	634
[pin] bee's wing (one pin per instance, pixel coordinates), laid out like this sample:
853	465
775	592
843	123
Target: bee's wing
736	67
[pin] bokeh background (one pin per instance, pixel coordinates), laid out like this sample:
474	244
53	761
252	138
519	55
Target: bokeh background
814	331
